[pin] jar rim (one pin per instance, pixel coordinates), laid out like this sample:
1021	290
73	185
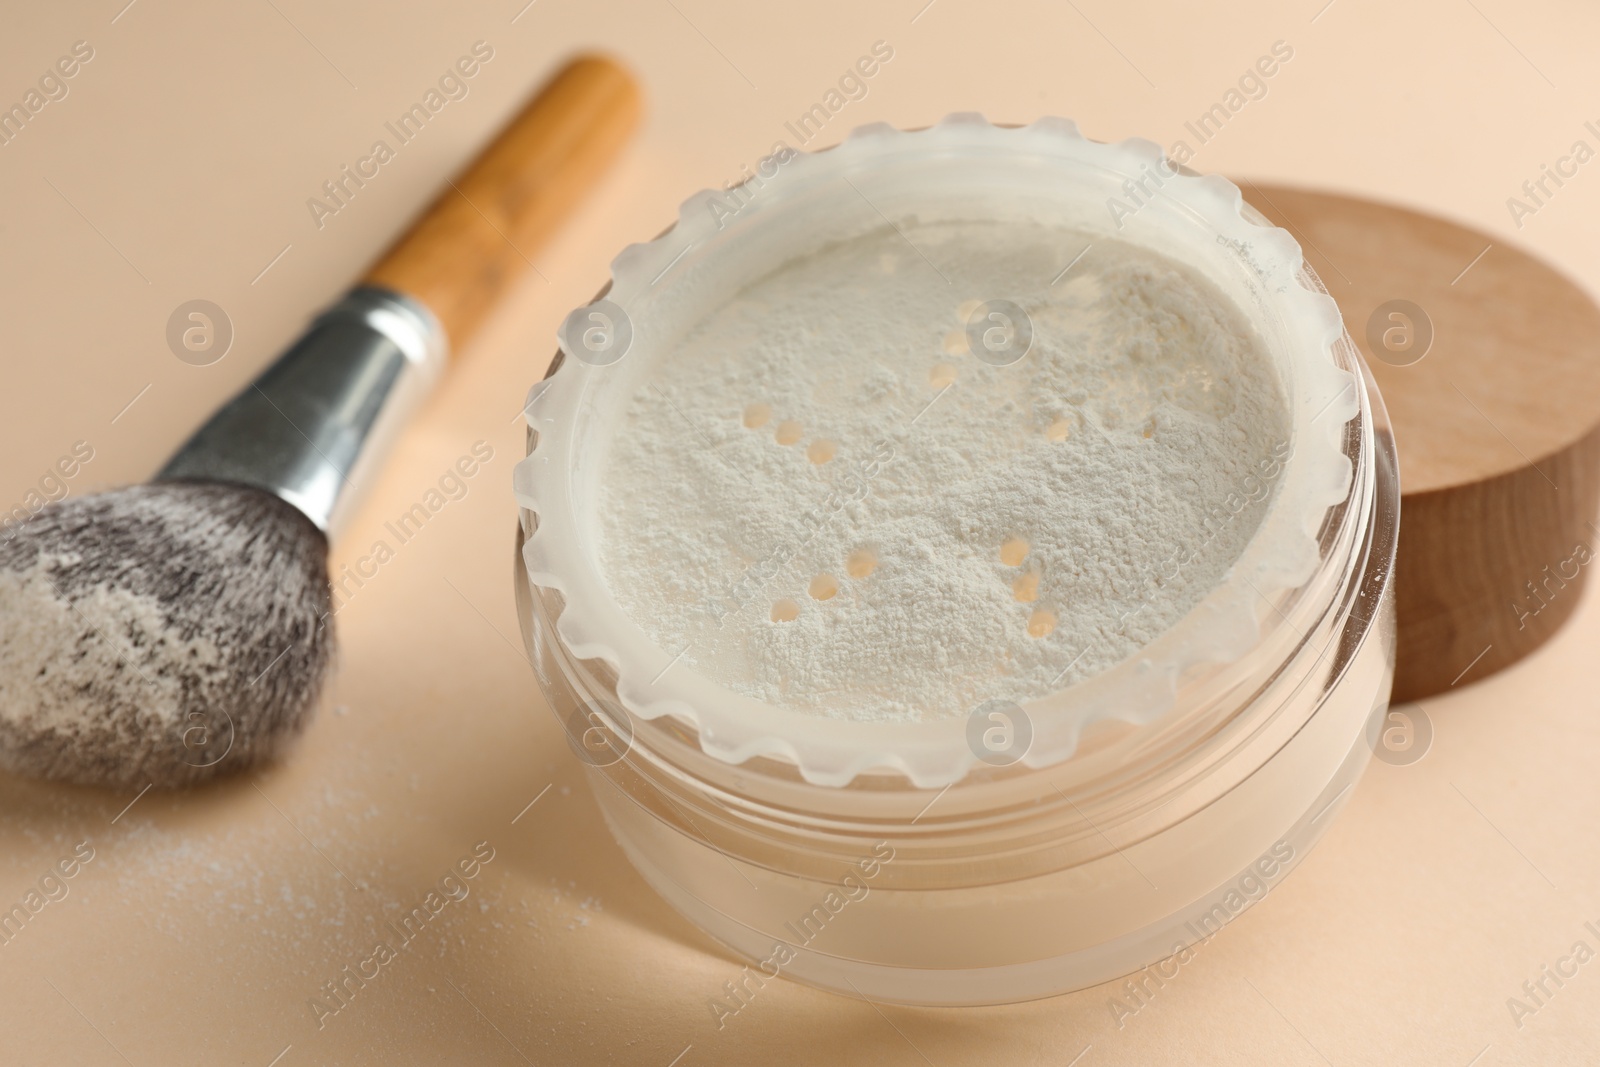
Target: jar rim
1226	625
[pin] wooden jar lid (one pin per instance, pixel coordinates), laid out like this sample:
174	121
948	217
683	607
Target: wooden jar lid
1497	424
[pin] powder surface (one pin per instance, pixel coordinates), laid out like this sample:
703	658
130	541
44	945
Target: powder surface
824	500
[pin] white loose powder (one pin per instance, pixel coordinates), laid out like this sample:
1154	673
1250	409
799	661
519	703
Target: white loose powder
823	500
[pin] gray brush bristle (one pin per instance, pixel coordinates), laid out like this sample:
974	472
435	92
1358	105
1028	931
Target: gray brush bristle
161	633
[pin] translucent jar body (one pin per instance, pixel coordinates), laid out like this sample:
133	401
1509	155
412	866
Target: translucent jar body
1159	797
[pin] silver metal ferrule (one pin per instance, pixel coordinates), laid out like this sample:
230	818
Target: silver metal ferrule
314	425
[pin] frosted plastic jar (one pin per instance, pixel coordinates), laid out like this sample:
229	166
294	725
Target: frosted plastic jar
1154	802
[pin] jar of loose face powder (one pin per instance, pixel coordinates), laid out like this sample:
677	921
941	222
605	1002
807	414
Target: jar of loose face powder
961	559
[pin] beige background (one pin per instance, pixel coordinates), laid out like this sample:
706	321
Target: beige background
179	166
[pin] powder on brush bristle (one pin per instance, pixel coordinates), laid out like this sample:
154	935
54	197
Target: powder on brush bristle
160	634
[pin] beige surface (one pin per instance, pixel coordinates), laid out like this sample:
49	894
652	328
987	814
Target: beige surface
178	167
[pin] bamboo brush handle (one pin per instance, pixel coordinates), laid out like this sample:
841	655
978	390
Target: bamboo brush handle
479	236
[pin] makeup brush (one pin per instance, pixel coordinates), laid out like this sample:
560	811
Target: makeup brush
171	632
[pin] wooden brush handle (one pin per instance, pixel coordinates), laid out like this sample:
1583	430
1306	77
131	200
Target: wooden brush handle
480	235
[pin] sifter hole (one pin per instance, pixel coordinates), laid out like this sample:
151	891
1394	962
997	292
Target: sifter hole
955	343
757	416
821	451
1059	430
860	563
788	432
785	610
942	375
1013	552
823	587
1041	622
1026	588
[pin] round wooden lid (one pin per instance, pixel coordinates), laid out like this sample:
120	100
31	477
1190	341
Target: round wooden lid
1486	360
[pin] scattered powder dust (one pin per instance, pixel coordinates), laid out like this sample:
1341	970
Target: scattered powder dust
827	502
249	885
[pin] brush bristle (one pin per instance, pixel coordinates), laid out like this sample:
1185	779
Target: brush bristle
164	634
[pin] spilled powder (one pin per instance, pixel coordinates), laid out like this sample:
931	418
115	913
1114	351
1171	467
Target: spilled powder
826	501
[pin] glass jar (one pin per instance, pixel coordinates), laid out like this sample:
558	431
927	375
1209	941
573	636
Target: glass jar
890	860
